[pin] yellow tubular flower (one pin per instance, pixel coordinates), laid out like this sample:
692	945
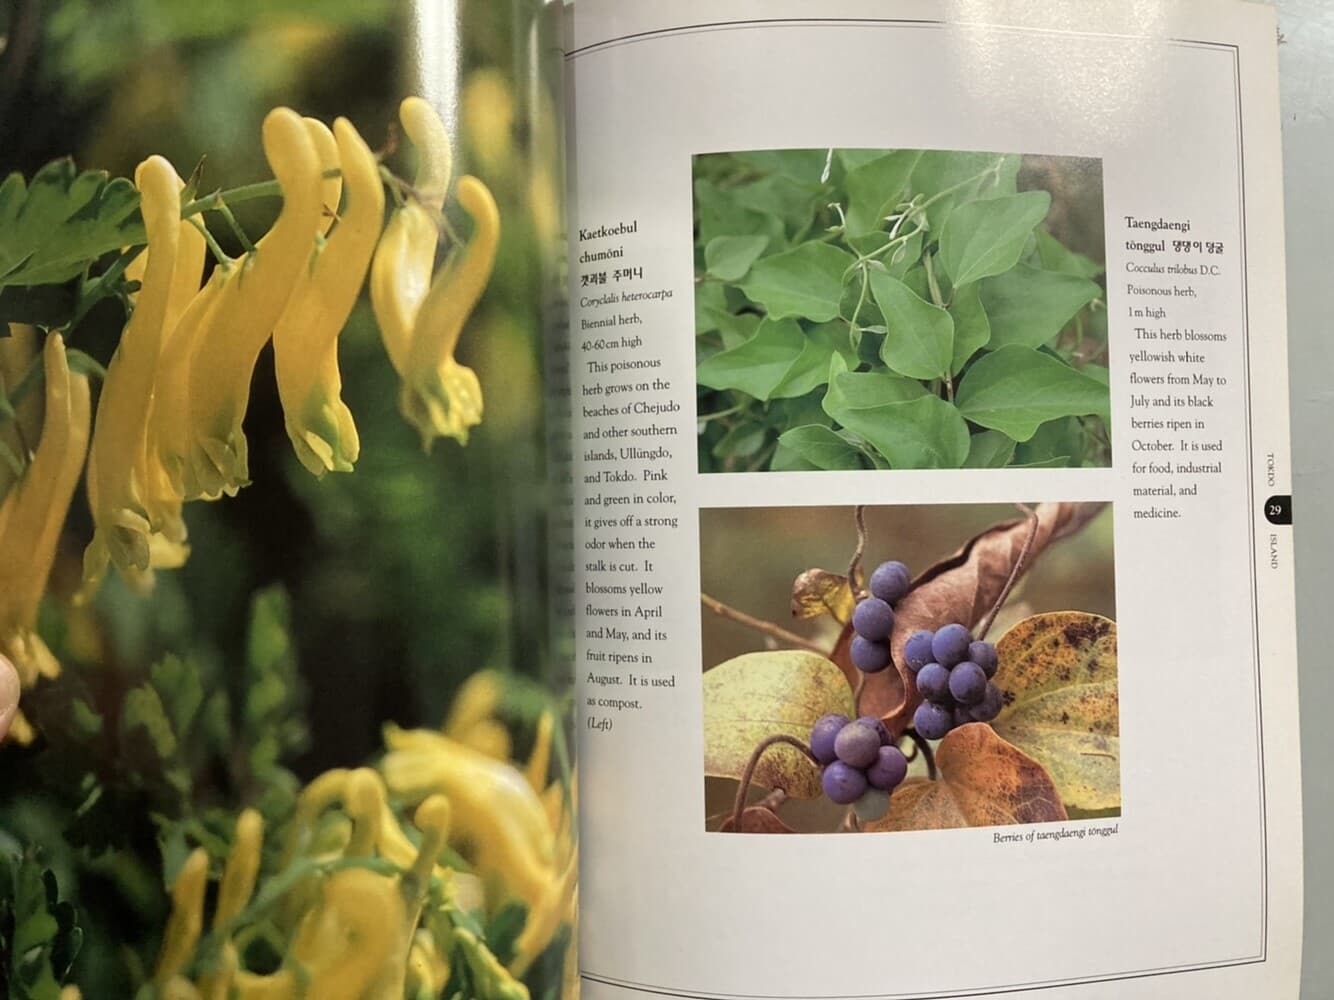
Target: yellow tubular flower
249	306
32	516
539	762
441	397
343	942
305	341
428	971
476	701
169	433
492	805
187	918
238	877
405	256
17	352
121	526
163	496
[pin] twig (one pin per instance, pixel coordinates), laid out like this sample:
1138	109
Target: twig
739	806
854	567
1018	568
925	749
759	624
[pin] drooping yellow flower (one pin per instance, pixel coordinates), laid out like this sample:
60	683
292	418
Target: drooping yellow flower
440	396
32	516
116	473
17	353
405	257
305	341
250	301
421	324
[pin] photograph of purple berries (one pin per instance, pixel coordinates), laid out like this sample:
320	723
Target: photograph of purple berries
908	667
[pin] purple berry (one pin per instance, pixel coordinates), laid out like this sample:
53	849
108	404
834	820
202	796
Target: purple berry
843	784
869	657
931	721
890	581
962	716
879	727
933	681
889	769
990	706
873	619
873	805
857	744
823	733
917	650
967	683
984	655
950	645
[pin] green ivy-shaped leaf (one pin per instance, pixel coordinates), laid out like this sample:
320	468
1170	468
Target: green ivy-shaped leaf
1016	389
987	237
874	188
911	428
1029	306
1056	256
780	361
821	447
805	282
728	258
919	336
989	450
53	226
972	328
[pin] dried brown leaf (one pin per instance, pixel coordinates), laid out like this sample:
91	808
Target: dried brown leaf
757	819
1058	674
961	588
983	781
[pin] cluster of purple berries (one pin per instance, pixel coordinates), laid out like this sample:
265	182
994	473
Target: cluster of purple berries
861	763
954	674
873	619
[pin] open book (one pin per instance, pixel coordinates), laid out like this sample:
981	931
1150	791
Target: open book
935	606
398	601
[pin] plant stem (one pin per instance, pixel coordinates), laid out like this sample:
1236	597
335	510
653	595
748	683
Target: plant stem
1018	568
931	282
859	517
993	170
722	413
213	247
853	329
222	208
739	806
924	748
759	624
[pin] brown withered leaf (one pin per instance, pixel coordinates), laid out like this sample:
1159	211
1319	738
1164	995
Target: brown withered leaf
962	588
819	592
983	781
757	819
1058	674
757	695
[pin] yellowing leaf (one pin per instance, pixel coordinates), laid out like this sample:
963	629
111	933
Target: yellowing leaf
758	695
818	592
983	781
1058	674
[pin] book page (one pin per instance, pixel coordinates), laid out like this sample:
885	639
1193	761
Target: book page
934	597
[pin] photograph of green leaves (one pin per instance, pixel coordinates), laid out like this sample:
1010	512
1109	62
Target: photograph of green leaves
899	309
